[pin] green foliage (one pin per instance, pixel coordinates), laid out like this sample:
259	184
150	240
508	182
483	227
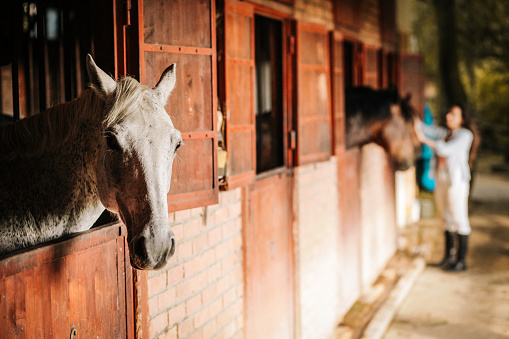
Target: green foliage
483	50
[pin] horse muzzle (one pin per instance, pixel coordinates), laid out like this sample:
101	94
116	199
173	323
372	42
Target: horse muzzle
403	165
151	253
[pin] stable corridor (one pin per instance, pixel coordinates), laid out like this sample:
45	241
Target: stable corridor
472	304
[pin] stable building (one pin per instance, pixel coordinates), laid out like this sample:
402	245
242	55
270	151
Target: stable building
279	226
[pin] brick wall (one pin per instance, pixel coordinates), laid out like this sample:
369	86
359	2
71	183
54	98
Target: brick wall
378	224
199	294
316	249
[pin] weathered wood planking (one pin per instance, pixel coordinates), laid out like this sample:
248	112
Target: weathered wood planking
82	281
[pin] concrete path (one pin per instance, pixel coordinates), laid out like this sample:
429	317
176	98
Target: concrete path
472	304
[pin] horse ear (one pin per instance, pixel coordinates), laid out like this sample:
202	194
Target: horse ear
166	83
100	82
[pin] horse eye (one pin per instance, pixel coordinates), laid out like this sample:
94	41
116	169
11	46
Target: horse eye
112	142
178	146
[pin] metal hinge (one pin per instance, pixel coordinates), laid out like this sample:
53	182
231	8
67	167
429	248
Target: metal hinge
292	140
291	44
128	12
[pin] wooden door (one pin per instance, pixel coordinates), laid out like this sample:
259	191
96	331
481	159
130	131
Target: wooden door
350	243
82	282
268	258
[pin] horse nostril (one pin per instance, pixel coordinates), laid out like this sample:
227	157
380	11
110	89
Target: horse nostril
140	249
172	246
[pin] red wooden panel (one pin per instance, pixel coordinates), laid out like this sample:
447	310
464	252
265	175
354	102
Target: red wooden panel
358	64
317	138
371	68
268	259
190	103
338	94
239	89
168	36
241	160
78	282
189	174
314	96
383	75
313	47
388	21
412	80
350	210
239	25
313	92
238	41
348	13
179	23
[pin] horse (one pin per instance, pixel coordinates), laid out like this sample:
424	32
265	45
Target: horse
382	117
111	148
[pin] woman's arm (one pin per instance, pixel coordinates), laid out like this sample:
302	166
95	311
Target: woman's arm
418	127
460	141
434	132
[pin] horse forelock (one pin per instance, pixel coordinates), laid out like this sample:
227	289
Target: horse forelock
54	126
127	99
407	110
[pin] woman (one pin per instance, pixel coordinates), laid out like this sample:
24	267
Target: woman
454	148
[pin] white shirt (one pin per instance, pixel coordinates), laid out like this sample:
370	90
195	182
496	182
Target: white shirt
455	150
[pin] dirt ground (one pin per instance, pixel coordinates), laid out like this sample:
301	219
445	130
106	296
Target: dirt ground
472	304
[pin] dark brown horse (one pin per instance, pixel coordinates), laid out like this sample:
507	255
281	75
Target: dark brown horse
383	117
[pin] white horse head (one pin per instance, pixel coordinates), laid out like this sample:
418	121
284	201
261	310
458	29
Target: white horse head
135	160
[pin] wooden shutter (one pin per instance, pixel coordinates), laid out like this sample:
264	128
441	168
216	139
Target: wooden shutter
412	80
348	13
383	75
359	63
371	68
183	32
387	71
338	93
388	21
237	92
314	113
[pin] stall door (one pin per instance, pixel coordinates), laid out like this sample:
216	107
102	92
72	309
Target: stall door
349	183
269	260
256	56
81	284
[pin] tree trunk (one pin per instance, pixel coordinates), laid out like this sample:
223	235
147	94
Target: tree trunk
453	90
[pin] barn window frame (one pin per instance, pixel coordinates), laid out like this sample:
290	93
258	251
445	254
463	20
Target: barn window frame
354	66
47	57
277	124
236	88
338	92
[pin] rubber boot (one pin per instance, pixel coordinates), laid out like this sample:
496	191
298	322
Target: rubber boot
460	264
449	251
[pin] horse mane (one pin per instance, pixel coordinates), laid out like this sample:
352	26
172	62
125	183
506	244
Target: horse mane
37	133
374	105
34	135
127	99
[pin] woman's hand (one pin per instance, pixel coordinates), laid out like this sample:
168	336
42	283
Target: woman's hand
423	139
418	130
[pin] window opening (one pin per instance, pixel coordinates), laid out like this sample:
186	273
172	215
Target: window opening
44	45
268	94
390	70
348	62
